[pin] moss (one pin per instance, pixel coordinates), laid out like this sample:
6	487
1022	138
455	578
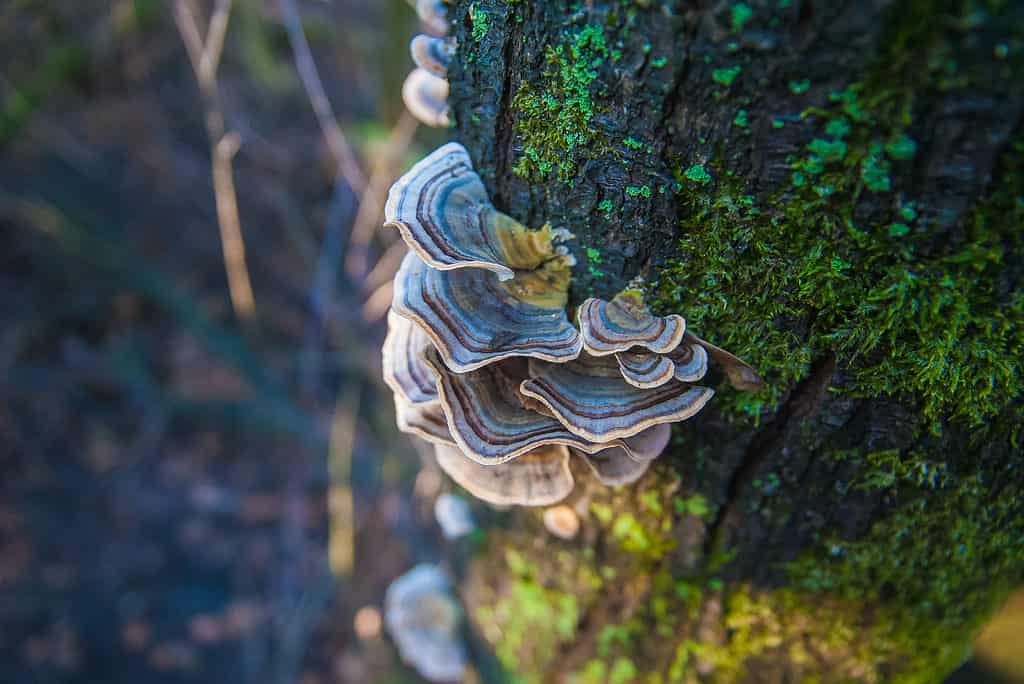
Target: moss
936	324
554	121
698	174
727	75
935	567
739	15
480	21
538	611
799	87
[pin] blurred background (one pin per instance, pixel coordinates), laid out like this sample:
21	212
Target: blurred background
201	478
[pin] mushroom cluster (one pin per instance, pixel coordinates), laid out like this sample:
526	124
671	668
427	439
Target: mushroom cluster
485	364
425	91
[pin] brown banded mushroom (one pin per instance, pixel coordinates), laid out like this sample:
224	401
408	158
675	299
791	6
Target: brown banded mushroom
626	323
441	208
432	54
489	420
538	478
423	619
426	97
474	319
592	400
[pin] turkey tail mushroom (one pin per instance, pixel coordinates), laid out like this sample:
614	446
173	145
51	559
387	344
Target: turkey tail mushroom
627	323
488	418
474	319
592	400
441	208
426	97
432	54
423	619
433	14
538	478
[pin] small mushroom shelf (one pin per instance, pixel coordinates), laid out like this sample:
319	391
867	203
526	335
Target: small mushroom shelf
486	365
425	90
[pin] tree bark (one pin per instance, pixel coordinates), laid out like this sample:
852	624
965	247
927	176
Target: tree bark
833	191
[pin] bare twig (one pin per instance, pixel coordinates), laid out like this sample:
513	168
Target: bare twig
376	305
386	266
205	57
348	167
372	200
341	535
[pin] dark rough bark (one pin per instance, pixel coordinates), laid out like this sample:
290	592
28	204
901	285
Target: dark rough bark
854	501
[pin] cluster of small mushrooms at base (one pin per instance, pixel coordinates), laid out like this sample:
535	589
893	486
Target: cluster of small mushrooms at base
425	91
486	365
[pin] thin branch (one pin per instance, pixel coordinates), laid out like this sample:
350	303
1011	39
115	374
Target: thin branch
348	167
371	201
210	57
231	226
205	57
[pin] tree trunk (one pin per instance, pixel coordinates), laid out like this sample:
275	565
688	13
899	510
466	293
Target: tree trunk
833	191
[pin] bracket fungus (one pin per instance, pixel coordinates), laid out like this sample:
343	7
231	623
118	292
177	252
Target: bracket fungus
433	14
432	54
591	399
473	319
423	619
426	97
453	516
425	91
625	323
538	478
441	208
485	363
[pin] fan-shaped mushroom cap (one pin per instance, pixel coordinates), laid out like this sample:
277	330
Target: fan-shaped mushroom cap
562	521
453	516
741	374
488	420
645	370
426	97
538	478
474	319
590	398
424	420
433	14
404	371
648	445
432	54
626	322
423	619
690	361
441	208
614	468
